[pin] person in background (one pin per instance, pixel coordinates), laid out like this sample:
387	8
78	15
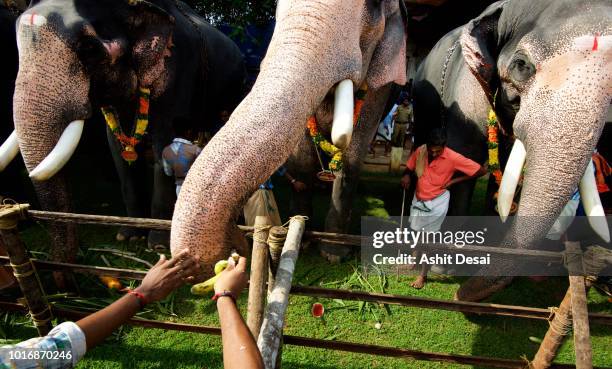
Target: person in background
178	157
402	117
239	347
434	165
262	202
68	342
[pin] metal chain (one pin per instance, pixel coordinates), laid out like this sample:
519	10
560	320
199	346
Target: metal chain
449	54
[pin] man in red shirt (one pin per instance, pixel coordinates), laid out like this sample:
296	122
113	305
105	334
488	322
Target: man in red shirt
434	165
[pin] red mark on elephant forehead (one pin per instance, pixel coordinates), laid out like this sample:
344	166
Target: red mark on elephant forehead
32	18
595	45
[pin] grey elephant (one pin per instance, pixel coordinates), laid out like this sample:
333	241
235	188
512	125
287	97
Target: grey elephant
545	66
319	50
147	62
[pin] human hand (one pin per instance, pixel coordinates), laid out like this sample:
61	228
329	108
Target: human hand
405	182
298	186
234	278
168	275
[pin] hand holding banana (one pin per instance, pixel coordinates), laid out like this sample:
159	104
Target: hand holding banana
208	286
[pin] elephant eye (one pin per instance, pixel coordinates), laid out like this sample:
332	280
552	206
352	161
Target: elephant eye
521	69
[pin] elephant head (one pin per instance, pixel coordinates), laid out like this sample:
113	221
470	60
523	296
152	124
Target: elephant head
319	49
546	66
75	56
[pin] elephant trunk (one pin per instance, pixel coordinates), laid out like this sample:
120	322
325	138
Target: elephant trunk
265	128
560	123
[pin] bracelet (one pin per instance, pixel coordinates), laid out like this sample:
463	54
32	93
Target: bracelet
293	180
229	294
142	301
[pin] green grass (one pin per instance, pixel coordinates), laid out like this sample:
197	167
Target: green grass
405	327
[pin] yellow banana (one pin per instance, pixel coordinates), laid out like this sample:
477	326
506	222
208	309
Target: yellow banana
209	284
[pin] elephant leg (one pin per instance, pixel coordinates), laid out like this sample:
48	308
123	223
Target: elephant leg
461	198
133	188
162	206
53	195
340	211
302	164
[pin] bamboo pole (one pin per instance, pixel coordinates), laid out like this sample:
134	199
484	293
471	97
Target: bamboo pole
23	269
272	328
330	238
580	317
379	298
259	275
593	261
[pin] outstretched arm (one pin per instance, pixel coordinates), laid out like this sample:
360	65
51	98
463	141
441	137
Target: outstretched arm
239	348
163	278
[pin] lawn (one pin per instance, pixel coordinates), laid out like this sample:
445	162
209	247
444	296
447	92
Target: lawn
403	327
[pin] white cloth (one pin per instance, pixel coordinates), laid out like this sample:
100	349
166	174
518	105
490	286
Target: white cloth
428	215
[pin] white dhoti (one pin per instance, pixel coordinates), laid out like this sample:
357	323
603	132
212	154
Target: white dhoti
429	215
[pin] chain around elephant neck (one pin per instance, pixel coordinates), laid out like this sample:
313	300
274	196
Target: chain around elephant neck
449	54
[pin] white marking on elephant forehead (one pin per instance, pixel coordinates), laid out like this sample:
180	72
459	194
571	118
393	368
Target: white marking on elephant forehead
592	43
32	19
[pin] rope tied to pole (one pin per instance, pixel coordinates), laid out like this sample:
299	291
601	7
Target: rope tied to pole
36	317
258	230
11	213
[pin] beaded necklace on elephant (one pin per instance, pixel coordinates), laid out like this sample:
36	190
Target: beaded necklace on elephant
335	163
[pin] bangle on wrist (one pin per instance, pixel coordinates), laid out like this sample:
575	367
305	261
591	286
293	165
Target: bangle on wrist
229	294
142	301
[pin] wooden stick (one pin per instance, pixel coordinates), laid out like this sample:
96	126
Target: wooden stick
330	238
272	328
23	269
580	315
380	298
259	275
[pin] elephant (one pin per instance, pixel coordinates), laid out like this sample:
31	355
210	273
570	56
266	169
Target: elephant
545	68
135	59
319	50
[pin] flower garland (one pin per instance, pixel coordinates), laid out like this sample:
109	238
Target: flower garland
493	144
335	163
141	122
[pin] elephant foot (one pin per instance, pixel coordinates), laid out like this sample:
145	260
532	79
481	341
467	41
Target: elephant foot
159	241
334	253
130	234
479	288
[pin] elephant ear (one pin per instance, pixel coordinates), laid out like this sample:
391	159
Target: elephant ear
150	38
480	50
389	59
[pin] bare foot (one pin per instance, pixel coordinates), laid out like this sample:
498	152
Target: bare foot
333	259
419	282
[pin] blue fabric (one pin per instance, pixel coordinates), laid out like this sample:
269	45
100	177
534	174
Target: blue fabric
267	185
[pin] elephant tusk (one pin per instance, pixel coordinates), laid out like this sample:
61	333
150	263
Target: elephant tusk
8	151
592	203
510	179
61	153
342	127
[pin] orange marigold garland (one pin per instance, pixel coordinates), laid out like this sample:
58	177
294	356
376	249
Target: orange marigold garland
141	123
493	144
335	163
